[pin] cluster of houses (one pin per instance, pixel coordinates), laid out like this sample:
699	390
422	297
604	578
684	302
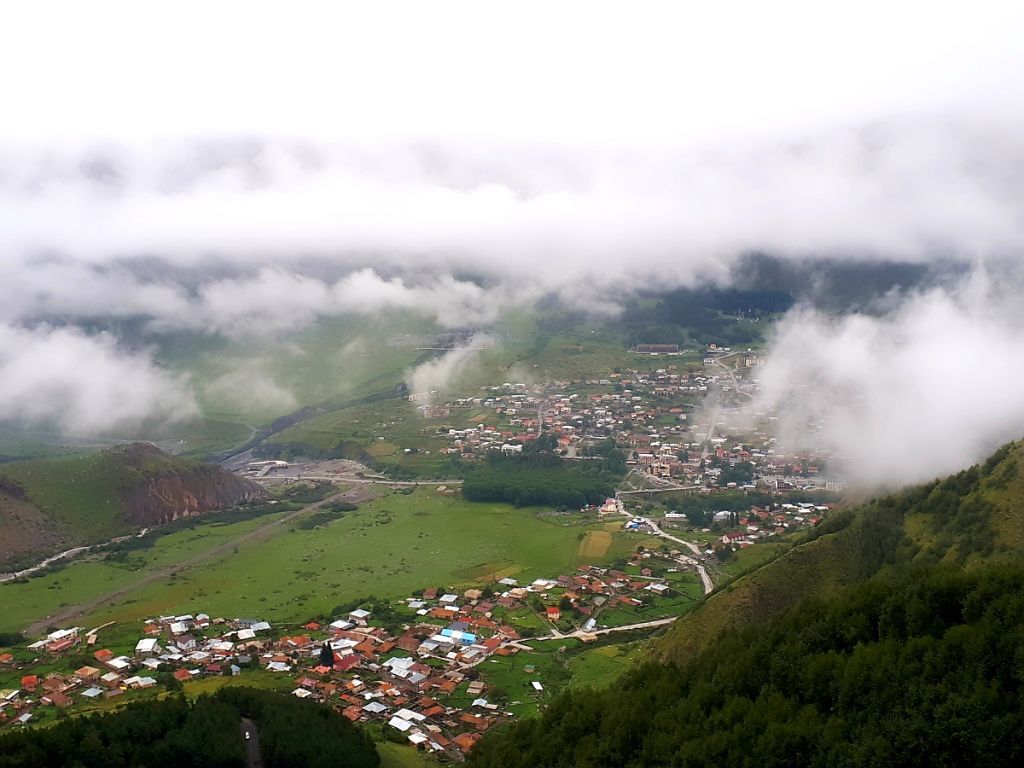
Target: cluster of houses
759	523
184	646
419	676
649	413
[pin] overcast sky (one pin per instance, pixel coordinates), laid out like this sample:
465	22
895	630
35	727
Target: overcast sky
594	142
249	167
569	71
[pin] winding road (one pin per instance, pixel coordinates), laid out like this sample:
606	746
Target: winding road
709	585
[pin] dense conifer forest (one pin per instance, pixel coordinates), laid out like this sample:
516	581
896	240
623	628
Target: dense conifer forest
538	476
205	733
925	669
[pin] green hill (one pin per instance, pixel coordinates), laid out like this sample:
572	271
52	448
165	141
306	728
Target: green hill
890	636
53	503
969	519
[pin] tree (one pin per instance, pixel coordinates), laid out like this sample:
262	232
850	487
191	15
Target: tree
326	656
168	681
497	693
723	553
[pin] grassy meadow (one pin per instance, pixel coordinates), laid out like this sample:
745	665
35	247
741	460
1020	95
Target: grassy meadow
80	581
392	545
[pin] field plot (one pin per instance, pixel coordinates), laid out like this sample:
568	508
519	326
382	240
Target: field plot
82	581
391	546
512	677
598	666
568	662
751	557
595	543
401	756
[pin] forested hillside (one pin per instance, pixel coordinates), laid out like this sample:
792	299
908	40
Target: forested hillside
968	519
921	670
891	636
205	733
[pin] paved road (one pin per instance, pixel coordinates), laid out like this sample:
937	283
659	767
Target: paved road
259	534
704	577
579	633
348	479
705	450
732	373
662	484
708	584
253	758
661	490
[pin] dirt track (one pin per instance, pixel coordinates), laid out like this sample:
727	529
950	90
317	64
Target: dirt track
260	534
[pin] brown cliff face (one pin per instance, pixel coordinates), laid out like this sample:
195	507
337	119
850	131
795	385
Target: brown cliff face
157	488
163	498
50	504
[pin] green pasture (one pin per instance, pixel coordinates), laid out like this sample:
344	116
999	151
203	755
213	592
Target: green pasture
80	581
390	547
598	666
514	675
746	558
80	491
401	756
554	664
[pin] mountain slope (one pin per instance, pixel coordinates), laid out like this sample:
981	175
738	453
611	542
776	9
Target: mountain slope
891	636
50	504
919	670
968	519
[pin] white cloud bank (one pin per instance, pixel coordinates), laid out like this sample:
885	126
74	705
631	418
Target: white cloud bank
84	384
256	171
927	389
269	235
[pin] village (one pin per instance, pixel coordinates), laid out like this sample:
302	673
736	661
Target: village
682	426
442	666
416	668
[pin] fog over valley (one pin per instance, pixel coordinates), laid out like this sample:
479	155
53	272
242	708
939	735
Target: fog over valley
443	194
511	385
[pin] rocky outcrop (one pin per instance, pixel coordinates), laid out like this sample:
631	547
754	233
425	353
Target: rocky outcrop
167	489
51	504
160	500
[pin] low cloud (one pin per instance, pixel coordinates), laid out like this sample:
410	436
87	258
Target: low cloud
250	390
277	301
82	384
927	388
269	234
265	236
441	374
